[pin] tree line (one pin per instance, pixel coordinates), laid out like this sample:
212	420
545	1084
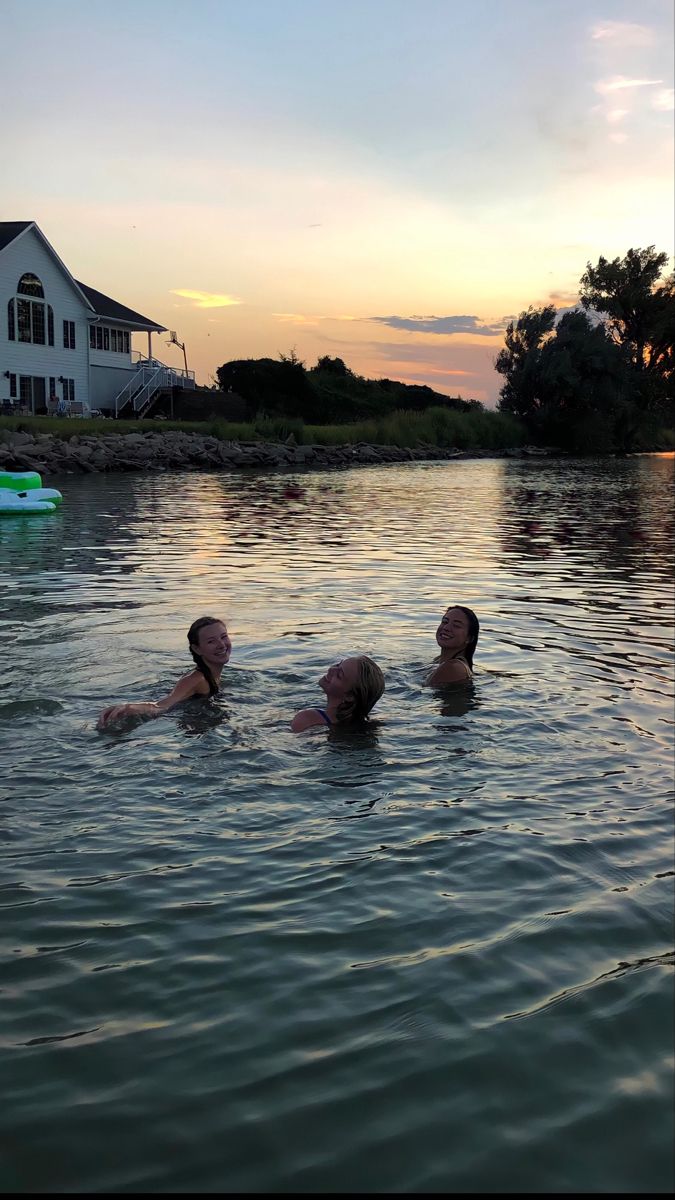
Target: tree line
328	393
597	378
601	377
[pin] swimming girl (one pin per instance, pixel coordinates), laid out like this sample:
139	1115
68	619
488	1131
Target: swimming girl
210	647
352	687
457	636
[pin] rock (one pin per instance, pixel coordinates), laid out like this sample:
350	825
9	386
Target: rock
23	462
18	438
178	450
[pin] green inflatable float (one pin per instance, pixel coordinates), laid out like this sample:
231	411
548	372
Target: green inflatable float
21	493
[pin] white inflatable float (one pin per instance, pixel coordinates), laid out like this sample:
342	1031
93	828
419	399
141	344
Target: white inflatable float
21	492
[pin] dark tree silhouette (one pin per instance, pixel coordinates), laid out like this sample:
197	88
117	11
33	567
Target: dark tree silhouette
597	386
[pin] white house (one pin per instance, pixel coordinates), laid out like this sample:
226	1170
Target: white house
63	343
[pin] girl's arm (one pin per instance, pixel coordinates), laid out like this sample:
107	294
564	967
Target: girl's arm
193	684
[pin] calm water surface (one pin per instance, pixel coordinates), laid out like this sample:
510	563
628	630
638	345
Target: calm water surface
436	956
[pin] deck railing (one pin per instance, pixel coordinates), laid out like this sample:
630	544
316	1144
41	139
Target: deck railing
149	378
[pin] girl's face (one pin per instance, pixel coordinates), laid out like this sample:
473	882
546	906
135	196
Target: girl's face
340	679
213	643
453	631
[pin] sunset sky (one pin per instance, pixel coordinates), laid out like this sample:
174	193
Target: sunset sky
381	180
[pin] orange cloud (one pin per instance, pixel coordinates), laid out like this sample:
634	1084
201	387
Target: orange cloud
433	370
206	299
306	319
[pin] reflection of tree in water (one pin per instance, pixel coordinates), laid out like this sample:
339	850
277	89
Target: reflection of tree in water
617	512
356	505
258	506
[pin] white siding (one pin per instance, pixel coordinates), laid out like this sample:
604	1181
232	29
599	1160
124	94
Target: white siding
28	253
107	382
109	358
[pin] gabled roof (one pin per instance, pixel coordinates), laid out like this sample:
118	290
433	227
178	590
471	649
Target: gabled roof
101	305
104	306
9	230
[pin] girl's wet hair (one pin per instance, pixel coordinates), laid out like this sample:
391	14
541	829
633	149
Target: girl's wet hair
474	630
193	637
365	694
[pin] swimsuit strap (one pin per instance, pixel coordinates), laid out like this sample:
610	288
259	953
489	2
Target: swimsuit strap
322	713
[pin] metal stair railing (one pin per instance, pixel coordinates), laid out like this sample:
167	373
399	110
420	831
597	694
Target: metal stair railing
148	380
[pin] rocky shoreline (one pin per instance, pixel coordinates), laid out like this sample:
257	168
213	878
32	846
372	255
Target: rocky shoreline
174	450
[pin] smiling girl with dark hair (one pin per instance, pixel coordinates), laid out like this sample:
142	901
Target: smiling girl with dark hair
457	636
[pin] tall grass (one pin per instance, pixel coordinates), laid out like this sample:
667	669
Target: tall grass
432	427
482	430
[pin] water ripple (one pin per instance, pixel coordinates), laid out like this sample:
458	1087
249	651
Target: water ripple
434	955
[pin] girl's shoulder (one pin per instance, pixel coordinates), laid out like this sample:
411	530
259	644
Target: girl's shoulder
196	681
455	671
192	684
307	717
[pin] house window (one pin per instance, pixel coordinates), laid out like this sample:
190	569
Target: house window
29	285
26	391
69	390
30	320
102	337
32	393
12	386
38	323
23	308
69	335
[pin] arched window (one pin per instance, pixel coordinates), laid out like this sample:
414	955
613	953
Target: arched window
30	320
30	285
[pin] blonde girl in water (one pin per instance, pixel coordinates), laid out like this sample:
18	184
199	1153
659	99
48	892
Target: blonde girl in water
352	687
210	647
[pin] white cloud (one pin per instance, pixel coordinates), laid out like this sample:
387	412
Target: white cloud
617	83
664	101
623	33
616	114
618	138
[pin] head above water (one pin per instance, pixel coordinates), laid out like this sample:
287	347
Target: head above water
210	647
355	685
458	632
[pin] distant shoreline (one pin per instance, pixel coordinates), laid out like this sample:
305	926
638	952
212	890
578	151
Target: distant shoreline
181	451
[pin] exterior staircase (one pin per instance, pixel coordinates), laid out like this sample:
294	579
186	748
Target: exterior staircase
147	383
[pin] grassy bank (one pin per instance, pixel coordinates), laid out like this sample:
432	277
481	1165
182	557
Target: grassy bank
433	427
